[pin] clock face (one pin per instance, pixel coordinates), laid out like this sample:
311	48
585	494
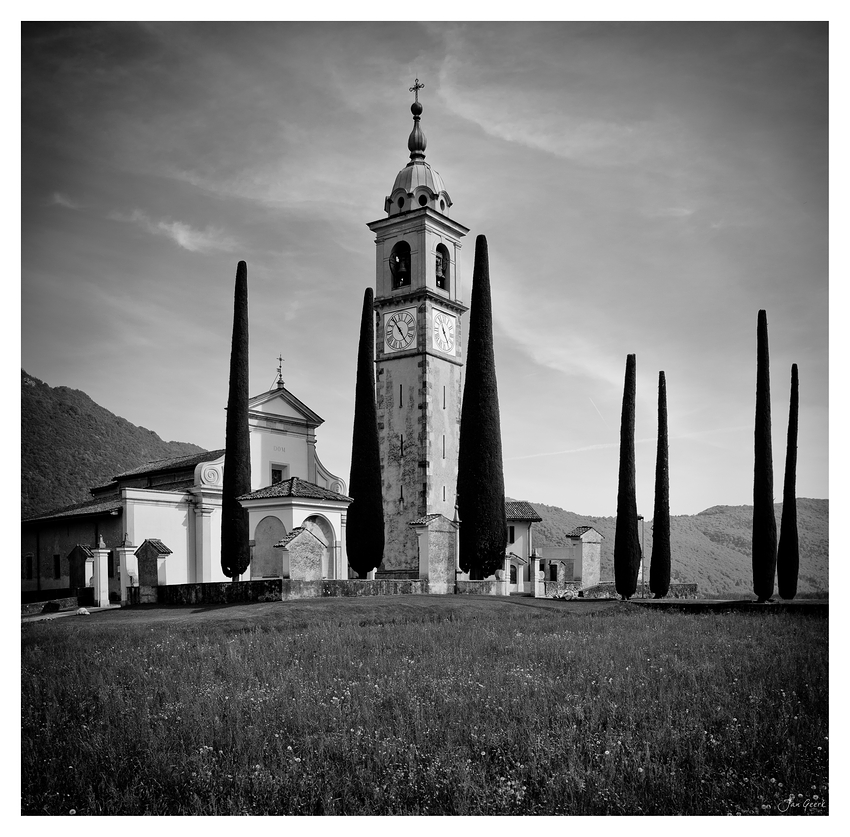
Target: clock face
399	330
443	332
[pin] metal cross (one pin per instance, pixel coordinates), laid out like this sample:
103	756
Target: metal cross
416	88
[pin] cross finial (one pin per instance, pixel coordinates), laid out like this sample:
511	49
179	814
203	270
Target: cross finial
416	88
279	381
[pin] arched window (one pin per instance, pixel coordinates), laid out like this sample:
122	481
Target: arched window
400	265
442	267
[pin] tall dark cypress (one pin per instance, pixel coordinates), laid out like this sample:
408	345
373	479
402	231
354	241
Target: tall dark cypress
626	538
659	569
235	552
480	478
764	516
788	554
365	519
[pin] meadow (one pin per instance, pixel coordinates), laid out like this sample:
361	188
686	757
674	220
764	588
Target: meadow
425	705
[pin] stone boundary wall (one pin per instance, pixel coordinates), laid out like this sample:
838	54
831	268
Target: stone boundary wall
278	590
34	608
560	589
220	592
607	590
487	587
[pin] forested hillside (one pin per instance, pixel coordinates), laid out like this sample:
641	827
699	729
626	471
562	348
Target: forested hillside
69	444
712	548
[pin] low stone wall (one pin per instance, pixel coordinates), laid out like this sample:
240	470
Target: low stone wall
221	592
682	591
333	588
274	590
487	587
607	590
560	590
34	608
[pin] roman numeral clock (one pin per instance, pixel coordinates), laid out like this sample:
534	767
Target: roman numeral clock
419	310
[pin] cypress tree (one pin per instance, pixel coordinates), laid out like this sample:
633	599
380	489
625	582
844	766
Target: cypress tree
764	516
659	569
365	520
788	555
480	478
627	555
235	553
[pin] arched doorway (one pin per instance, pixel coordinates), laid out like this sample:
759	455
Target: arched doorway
265	559
325	533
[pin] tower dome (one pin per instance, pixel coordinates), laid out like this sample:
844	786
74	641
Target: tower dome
417	185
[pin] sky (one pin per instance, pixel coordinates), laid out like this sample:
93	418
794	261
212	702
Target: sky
645	188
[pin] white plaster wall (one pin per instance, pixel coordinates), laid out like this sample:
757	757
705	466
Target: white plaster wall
165	516
272	446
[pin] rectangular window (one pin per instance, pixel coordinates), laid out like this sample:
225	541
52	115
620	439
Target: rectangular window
553	572
29	567
444	398
400	395
511	534
444	493
444	445
513	574
110	565
279	473
57	568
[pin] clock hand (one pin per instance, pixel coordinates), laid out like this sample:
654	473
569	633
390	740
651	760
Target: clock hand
398	329
443	329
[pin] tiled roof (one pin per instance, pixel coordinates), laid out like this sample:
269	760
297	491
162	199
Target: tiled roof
295	487
89	507
298	530
520	510
173	463
580	530
157	544
423	521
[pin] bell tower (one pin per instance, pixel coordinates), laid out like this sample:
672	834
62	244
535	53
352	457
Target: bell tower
418	352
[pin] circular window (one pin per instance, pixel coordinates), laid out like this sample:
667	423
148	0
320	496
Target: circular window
442	206
400	203
422	200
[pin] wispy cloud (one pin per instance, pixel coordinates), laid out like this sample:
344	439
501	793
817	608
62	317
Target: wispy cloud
669	212
601	446
60	199
196	241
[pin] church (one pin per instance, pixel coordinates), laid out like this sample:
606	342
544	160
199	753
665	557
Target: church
177	502
297	507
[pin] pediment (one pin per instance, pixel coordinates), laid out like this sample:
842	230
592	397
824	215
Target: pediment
281	404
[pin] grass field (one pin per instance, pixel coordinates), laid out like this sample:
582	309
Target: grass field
425	705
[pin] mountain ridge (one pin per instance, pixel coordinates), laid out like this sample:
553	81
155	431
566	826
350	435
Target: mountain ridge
69	444
711	548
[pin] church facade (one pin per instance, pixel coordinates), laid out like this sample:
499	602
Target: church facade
177	502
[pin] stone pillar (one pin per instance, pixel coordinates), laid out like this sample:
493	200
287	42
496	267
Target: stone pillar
128	567
506	568
536	582
203	542
101	575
